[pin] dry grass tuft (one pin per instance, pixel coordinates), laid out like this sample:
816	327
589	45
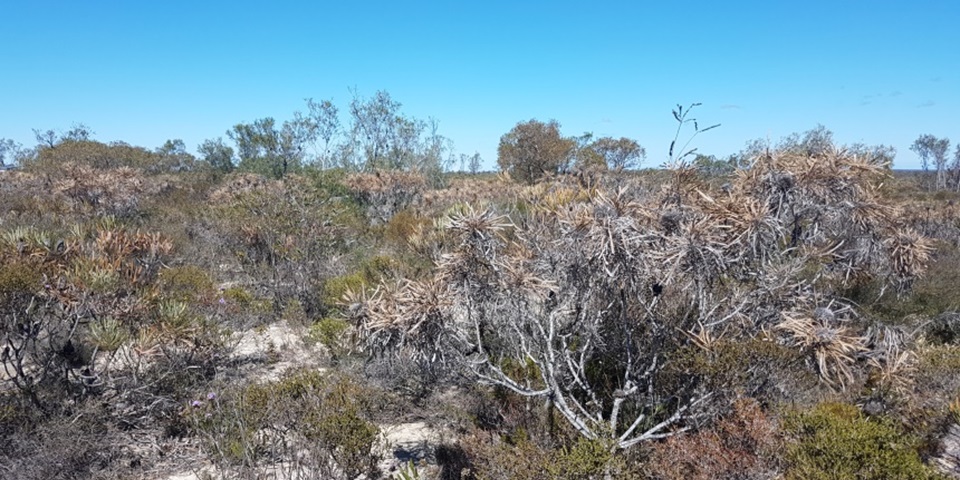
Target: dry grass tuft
834	347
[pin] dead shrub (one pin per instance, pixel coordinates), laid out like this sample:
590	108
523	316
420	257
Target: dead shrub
384	193
115	192
586	295
745	444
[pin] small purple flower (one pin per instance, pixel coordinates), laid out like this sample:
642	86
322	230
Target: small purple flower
196	403
47	286
223	301
212	396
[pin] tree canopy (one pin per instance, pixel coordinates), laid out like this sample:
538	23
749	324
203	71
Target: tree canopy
532	149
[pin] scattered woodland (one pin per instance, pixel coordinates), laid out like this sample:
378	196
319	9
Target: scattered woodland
787	312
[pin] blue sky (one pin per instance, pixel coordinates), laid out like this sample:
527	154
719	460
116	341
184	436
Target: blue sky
143	72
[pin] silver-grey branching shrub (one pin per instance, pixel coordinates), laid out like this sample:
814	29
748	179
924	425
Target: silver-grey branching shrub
589	302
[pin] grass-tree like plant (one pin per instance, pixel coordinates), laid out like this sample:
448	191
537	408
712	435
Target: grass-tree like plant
593	302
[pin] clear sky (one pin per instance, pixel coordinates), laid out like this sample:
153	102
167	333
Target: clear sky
871	71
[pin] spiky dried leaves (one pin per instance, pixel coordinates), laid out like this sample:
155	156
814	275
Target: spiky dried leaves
833	345
386	192
598	289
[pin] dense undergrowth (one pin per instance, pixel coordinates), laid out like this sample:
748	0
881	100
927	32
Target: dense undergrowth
795	319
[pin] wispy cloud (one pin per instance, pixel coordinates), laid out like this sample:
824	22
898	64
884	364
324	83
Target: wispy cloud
730	106
864	103
605	120
928	103
936	79
896	93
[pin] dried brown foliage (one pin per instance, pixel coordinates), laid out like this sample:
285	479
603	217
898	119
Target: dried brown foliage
238	185
742	445
597	290
386	192
111	192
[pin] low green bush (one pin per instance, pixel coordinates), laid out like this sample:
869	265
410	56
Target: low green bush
371	271
523	459
185	283
331	333
835	440
18	281
320	420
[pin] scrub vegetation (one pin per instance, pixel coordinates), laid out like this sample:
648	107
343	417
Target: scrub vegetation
792	311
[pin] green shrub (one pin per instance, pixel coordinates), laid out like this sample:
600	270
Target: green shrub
525	460
186	283
175	317
835	440
108	334
316	418
335	288
584	459
403	225
292	312
330	332
238	295
937	377
371	271
18	280
378	267
95	276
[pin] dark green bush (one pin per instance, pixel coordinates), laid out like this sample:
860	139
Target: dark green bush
18	280
835	440
238	295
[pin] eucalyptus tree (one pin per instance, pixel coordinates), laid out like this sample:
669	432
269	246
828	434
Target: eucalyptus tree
324	118
264	148
619	153
931	148
11	152
533	149
172	156
217	154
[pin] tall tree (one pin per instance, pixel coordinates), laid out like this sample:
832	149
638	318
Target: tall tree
377	130
46	138
532	149
10	152
382	137
78	133
584	155
929	147
325	120
265	149
217	154
172	156
814	142
475	162
619	153
881	154
955	168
